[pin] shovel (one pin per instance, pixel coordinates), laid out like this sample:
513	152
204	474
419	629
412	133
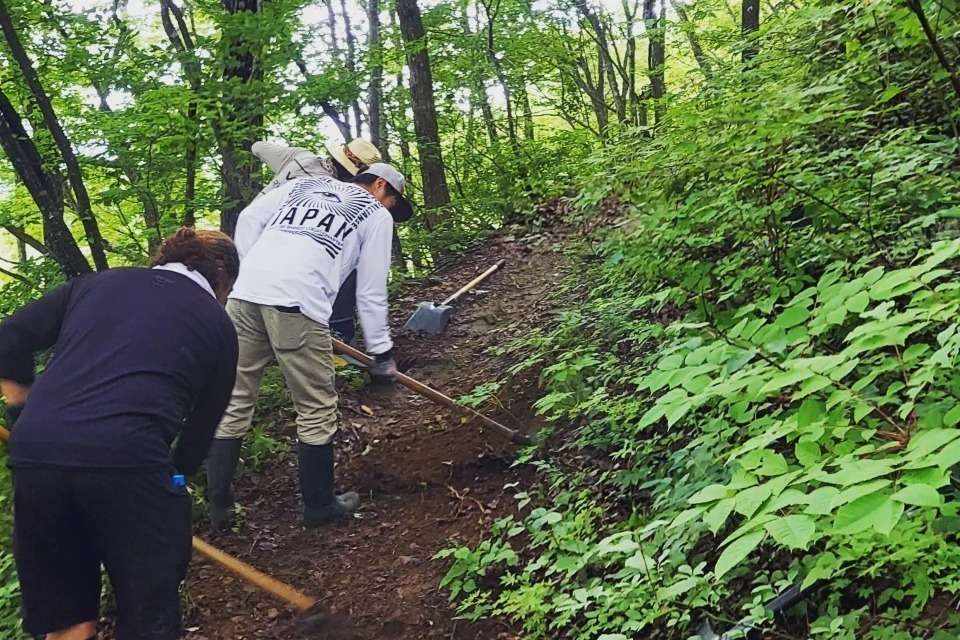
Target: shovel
434	395
433	318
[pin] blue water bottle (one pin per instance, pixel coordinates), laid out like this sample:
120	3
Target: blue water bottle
178	480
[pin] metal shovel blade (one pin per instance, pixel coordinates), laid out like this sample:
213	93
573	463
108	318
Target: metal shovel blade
430	318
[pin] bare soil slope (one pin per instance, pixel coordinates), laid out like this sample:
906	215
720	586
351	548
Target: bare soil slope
425	477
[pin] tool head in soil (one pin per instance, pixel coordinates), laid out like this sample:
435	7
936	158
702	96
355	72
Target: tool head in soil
429	318
317	623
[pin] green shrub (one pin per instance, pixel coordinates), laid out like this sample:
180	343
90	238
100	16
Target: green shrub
756	386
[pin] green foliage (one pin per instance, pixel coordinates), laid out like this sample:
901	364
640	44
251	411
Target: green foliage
480	395
9	586
9	596
261	448
757	384
274	397
265	443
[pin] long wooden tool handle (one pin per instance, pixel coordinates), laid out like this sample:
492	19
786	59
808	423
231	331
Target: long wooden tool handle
470	285
285	592
433	394
271	585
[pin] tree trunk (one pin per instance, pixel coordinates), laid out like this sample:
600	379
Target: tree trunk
352	65
151	211
241	112
528	132
182	42
688	28
584	79
332	26
399	104
128	165
337	54
500	73
375	100
606	66
190	165
656	54
45	188
930	32
435	192
749	24
601	91
21	248
52	123
630	55
478	93
396	255
487	112
470	136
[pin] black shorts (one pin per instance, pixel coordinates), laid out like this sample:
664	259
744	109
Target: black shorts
67	523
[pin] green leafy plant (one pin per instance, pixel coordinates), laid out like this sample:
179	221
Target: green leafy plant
755	386
480	395
261	448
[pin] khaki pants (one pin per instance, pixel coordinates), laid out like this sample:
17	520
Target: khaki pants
304	352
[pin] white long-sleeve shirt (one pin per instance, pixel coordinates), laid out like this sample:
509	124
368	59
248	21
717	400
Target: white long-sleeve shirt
299	242
289	163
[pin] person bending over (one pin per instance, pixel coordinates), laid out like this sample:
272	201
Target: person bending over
141	357
297	246
343	162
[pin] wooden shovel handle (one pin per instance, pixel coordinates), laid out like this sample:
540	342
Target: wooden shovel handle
470	285
284	592
432	394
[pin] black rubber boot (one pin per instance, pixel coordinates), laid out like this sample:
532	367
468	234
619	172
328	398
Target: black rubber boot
221	465
320	505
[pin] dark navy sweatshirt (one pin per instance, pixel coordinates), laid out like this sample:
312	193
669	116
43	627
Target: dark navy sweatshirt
140	356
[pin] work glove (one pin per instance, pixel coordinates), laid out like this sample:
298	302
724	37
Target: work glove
384	368
13	412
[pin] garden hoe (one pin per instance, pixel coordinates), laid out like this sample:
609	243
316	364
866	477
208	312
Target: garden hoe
433	318
312	620
432	394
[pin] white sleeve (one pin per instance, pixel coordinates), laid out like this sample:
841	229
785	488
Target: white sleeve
274	155
254	218
373	269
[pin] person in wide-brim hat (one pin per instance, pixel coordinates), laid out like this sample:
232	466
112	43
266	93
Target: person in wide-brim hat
343	161
355	156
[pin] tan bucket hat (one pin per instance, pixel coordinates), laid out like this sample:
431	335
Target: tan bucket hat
355	156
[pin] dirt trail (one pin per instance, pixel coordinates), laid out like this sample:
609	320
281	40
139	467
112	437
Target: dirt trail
424	477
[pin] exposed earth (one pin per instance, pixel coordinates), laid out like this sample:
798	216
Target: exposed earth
426	478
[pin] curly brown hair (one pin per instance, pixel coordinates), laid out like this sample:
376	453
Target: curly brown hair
212	254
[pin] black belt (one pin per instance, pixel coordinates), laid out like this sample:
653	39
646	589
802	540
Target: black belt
287	309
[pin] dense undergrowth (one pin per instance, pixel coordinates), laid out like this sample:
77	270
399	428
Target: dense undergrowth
757	385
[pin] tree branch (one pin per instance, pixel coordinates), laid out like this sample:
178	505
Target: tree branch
27	239
52	123
917	9
21	278
328	108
